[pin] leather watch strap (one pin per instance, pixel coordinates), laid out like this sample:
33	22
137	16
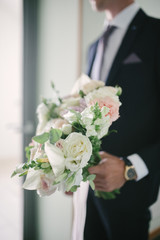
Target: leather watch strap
127	161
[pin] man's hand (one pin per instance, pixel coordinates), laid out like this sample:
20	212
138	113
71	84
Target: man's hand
109	173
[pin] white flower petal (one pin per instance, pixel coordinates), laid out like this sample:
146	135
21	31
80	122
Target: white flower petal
77	150
78	177
82	80
32	181
56	158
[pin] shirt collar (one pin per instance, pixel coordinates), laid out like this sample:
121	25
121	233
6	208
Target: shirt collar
123	19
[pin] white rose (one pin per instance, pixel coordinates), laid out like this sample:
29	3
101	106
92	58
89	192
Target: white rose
94	84
102	93
86	84
56	158
82	80
69	102
77	150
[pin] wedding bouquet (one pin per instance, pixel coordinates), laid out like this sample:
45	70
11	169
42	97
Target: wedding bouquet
68	138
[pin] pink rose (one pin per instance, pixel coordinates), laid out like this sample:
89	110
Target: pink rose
109	103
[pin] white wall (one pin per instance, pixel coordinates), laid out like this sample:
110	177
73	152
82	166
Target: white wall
58	63
11	219
10	76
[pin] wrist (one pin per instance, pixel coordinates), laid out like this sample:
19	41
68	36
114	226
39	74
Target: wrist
129	171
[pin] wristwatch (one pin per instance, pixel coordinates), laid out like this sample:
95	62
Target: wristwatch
130	172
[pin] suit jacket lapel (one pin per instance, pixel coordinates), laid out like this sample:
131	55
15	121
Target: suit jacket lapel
126	44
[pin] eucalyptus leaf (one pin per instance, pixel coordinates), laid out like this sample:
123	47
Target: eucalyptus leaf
13	174
92	185
54	135
74	188
82	94
45	165
52	85
23	174
41	138
91	177
70	181
62	177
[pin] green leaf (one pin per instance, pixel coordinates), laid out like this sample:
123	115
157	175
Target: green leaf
78	128
13	174
60	100
91	177
41	138
92	184
62	177
45	165
97	112
111	131
23	174
47	170
28	152
74	188
52	113
117	191
70	181
82	94
45	101
54	135
52	85
55	183
119	90
37	168
107	195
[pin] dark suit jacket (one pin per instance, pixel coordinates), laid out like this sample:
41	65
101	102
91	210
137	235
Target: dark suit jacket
136	69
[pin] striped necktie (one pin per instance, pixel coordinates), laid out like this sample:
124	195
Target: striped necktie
97	68
104	39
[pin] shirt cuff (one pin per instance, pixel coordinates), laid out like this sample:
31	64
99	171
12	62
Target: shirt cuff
140	166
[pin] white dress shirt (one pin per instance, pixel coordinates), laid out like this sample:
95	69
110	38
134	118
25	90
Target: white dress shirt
121	21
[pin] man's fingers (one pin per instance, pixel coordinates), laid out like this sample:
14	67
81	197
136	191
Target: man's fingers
103	160
104	154
98	169
94	170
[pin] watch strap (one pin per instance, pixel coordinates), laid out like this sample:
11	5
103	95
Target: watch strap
127	161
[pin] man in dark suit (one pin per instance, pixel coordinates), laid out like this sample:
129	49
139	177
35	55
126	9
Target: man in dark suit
131	59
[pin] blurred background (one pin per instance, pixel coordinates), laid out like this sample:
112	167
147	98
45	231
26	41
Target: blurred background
41	41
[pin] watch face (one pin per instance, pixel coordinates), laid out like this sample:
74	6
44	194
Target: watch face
131	173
